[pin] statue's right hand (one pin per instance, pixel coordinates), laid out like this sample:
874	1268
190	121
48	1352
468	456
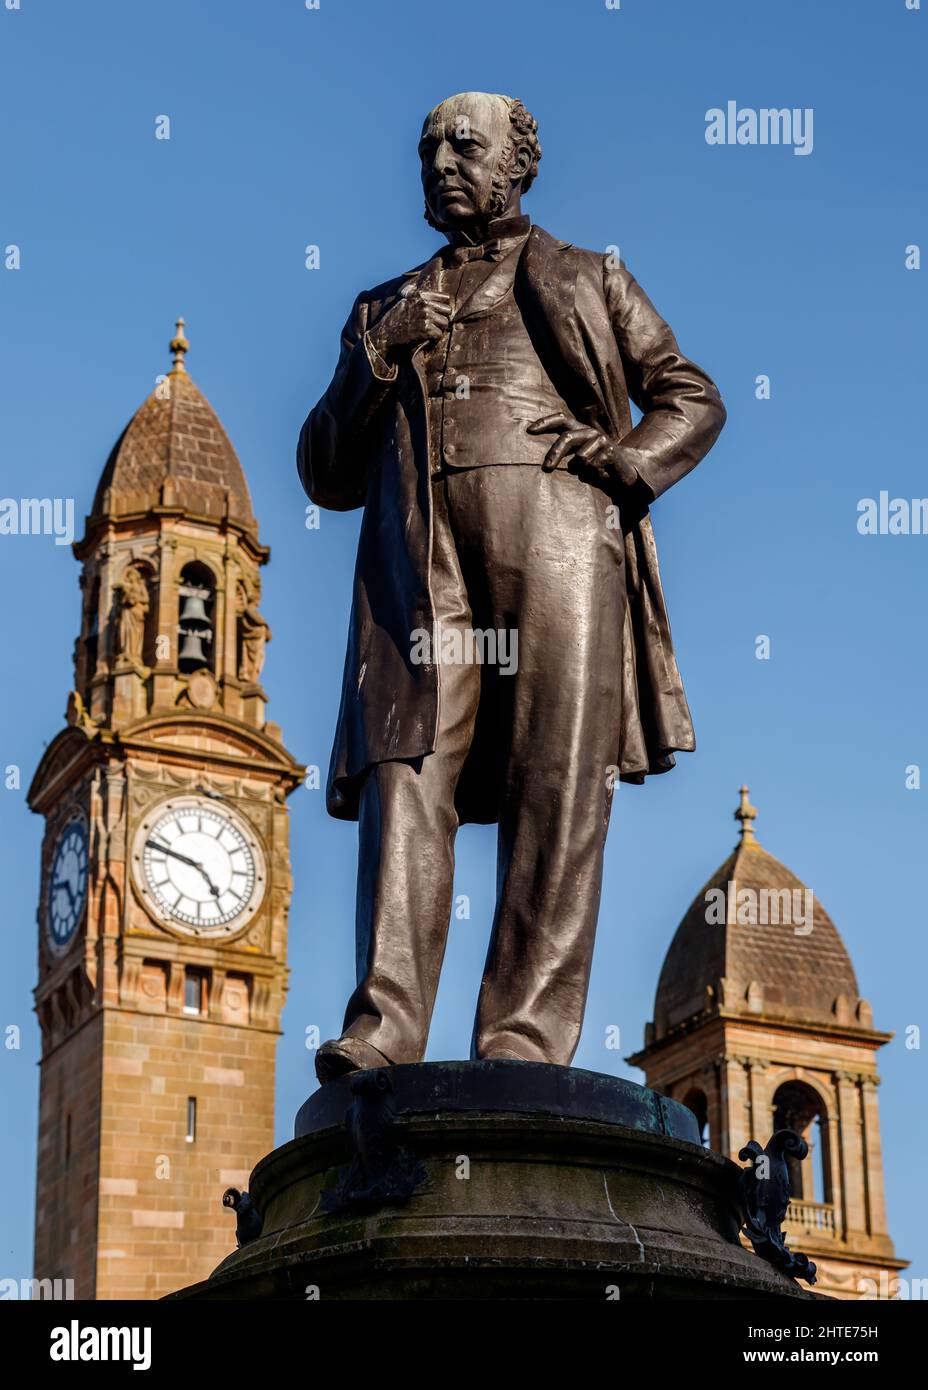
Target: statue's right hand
417	317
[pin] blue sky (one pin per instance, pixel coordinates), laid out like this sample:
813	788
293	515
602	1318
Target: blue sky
292	127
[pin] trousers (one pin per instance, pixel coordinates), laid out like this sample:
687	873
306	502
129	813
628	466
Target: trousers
529	554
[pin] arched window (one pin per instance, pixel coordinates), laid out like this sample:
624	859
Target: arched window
92	632
195	619
695	1100
797	1106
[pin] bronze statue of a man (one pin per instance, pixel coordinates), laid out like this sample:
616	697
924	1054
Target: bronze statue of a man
479	413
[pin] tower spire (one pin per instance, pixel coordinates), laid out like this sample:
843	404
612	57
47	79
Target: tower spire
179	346
746	814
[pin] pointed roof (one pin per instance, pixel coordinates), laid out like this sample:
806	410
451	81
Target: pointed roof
175	452
744	945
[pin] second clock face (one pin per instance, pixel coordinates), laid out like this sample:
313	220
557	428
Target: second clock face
66	893
200	866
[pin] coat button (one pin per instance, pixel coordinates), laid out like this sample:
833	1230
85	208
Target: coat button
449	449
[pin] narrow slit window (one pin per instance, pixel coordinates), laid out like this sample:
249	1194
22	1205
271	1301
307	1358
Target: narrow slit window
194	992
191	1119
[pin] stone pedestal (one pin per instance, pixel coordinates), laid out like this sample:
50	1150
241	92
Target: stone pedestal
481	1180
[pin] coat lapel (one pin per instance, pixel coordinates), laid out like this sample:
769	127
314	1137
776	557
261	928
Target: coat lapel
546	289
423	277
492	289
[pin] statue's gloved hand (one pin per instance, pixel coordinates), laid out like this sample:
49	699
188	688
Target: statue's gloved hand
590	452
418	316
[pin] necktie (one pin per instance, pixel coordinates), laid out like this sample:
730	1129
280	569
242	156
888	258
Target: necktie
455	256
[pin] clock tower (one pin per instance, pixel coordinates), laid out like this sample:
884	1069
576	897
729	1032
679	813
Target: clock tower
165	874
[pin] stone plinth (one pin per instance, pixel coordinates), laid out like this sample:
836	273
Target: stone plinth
481	1180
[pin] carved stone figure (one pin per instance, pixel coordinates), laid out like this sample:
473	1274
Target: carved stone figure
509	653
134	603
254	633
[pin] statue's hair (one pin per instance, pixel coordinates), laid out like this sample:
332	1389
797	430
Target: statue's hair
523	133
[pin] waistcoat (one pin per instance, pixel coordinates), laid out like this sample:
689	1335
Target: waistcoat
486	383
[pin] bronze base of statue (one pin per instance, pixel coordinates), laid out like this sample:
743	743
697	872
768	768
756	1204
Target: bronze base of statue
483	1180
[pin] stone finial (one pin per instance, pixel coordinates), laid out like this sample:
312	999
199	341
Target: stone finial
179	346
746	814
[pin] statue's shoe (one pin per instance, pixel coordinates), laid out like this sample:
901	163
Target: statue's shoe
343	1055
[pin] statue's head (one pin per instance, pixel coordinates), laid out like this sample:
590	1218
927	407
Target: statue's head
479	152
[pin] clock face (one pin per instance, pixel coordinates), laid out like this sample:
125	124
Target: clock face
199	866
66	891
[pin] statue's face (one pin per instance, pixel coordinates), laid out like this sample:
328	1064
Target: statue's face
460	149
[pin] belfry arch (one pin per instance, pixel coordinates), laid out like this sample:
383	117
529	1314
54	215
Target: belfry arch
759	1025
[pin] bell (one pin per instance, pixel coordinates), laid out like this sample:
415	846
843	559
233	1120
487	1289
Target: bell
194	610
192	648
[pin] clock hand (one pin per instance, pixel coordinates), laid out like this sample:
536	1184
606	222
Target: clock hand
63	883
166	849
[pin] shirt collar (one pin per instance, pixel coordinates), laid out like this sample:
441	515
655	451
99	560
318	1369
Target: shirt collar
499	229
502	235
